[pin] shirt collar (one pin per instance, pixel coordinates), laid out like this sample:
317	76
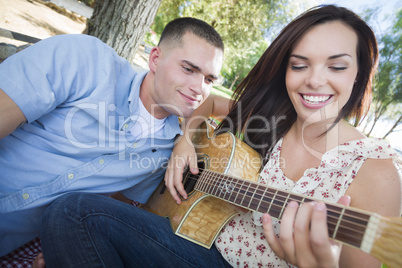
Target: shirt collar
134	95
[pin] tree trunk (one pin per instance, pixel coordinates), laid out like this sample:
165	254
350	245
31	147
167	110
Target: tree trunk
373	125
122	24
393	127
234	82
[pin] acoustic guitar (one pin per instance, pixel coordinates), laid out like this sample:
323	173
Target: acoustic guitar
229	171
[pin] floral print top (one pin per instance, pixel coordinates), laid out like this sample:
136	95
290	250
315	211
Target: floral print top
242	242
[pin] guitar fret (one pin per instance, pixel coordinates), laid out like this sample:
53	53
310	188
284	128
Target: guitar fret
270	205
351	220
210	183
252	196
257	195
215	185
283	206
259	203
200	182
267	201
245	195
216	182
302	202
206	181
299	199
231	197
338	223
222	186
239	192
226	187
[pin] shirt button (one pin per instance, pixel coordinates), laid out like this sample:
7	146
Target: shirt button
134	145
101	161
25	196
71	176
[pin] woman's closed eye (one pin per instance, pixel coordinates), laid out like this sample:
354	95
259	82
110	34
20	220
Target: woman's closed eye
338	68
297	67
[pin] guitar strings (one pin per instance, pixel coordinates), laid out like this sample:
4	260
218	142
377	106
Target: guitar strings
278	193
357	234
350	238
346	213
252	186
332	221
354	237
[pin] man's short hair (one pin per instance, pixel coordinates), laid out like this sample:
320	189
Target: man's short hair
175	30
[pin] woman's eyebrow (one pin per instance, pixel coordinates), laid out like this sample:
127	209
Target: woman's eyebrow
330	57
298	56
339	56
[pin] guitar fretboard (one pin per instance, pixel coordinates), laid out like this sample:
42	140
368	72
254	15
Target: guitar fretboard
344	224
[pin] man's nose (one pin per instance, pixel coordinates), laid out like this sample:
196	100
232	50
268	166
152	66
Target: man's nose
197	84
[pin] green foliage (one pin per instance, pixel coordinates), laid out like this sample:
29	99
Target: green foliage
90	3
387	94
222	91
243	24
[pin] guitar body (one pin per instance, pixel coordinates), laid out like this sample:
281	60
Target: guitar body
201	216
229	171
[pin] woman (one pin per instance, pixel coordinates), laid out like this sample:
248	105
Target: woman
316	74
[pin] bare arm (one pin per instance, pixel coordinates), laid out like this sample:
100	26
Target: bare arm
376	188
303	233
11	116
184	153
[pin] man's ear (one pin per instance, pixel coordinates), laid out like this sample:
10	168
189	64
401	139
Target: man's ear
154	56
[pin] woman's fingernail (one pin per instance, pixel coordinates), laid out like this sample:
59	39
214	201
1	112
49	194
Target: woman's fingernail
293	204
319	206
265	218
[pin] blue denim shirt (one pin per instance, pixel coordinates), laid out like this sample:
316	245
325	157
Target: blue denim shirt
80	99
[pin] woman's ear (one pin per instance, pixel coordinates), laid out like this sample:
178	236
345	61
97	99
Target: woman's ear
154	56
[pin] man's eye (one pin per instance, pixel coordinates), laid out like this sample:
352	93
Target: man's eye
188	70
209	81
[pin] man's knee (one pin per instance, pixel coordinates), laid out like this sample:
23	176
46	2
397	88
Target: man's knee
62	207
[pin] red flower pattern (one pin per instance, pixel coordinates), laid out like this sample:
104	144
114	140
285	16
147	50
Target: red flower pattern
242	241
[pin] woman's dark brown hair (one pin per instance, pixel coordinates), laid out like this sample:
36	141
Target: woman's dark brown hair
262	111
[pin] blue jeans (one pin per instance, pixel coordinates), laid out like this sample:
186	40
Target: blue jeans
88	230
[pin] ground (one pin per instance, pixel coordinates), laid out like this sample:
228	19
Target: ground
42	19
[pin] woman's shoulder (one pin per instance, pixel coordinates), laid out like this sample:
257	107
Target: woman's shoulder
378	176
353	141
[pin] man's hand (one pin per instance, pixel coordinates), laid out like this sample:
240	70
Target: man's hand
183	155
184	152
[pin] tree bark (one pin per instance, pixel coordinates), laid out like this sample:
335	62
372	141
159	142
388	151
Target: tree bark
122	24
393	127
234	82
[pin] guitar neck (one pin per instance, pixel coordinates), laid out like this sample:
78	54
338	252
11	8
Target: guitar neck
346	225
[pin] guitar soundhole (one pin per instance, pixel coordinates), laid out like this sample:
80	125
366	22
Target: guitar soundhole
189	179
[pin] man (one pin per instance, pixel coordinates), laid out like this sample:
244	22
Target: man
74	116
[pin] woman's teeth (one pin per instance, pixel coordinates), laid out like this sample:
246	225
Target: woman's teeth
315	99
